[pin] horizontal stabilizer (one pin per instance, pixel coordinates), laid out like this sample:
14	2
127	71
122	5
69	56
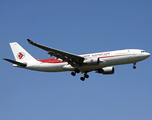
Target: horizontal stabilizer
15	62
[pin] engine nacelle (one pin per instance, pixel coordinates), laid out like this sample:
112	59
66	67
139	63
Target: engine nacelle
106	70
91	61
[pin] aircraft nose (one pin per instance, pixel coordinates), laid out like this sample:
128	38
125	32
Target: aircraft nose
147	55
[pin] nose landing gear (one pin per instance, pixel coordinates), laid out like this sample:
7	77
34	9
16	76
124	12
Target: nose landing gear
134	67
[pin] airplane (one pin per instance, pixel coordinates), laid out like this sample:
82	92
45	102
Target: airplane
101	62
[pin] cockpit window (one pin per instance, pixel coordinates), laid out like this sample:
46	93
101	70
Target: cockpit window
143	51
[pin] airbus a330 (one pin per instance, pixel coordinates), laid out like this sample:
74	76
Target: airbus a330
101	62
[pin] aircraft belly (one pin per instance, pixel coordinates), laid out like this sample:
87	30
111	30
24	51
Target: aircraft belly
91	67
48	67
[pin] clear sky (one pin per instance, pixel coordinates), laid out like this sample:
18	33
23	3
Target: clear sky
79	27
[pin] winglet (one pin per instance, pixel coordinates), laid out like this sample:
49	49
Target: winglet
30	41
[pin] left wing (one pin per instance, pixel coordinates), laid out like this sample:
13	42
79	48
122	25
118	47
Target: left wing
72	59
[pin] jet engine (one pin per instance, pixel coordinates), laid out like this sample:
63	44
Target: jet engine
91	61
106	70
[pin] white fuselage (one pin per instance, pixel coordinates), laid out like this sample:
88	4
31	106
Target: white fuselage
105	59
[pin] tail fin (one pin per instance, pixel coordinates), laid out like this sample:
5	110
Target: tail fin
20	54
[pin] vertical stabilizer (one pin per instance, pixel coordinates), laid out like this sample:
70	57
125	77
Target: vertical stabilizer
20	54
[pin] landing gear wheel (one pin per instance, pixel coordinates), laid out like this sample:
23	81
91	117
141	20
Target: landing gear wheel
73	73
86	76
134	67
82	78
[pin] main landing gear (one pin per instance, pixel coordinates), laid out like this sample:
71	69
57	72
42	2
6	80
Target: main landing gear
134	67
85	76
74	72
82	78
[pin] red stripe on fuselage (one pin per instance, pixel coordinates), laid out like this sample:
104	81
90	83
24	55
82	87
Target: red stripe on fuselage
52	60
115	56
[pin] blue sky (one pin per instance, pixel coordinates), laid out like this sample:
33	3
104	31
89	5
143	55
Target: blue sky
77	27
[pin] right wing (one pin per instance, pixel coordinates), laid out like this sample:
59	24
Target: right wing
72	59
